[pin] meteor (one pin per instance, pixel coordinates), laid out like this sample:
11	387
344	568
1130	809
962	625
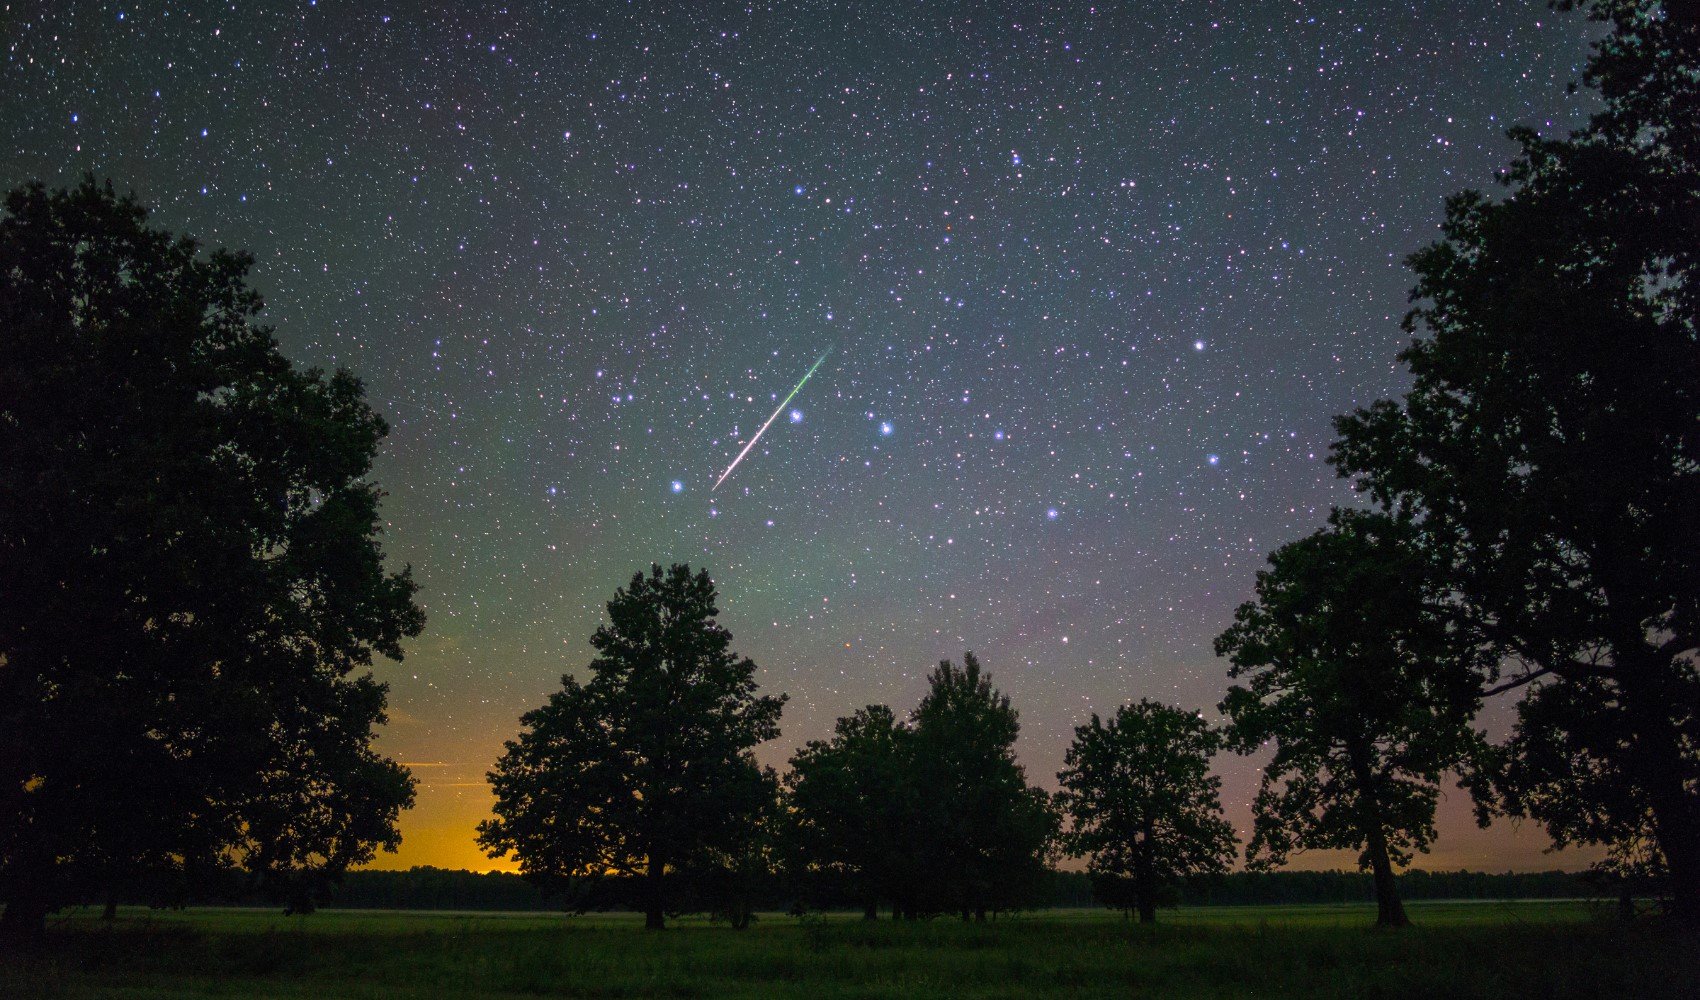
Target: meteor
781	409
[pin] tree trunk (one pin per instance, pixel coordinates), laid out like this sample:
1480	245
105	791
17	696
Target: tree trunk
655	909
1389	911
871	911
1145	880
1679	841
111	910
1657	754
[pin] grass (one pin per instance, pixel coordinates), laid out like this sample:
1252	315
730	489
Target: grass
1456	951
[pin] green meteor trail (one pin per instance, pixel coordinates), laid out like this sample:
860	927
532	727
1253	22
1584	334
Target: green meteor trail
776	413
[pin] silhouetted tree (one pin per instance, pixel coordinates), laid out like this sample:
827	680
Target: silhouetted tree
729	877
191	587
1355	673
1142	803
984	833
1564	763
853	809
645	767
1548	446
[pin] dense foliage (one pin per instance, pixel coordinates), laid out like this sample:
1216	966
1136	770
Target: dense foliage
191	589
931	816
984	834
1353	671
644	769
855	809
1549	449
1142	803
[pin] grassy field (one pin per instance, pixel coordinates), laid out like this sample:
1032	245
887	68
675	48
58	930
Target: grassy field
1455	951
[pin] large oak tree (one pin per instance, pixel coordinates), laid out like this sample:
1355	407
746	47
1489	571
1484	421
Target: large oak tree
1549	448
1355	674
645	768
1141	802
983	834
853	803
191	589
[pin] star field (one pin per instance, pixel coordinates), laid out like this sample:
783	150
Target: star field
1094	279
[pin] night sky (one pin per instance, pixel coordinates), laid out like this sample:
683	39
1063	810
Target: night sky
1093	280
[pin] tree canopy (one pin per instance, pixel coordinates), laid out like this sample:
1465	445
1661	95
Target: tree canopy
191	588
1549	449
645	767
984	833
1141	801
854	804
934	815
1353	671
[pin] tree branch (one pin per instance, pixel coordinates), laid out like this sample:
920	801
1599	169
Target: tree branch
1516	682
1679	644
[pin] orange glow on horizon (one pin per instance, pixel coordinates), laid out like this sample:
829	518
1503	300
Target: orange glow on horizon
438	832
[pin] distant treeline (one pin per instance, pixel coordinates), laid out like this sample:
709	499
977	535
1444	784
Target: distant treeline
444	889
1242	888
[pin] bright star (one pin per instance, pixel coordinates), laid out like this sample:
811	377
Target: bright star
1051	514
1198	345
885	428
678	487
796	416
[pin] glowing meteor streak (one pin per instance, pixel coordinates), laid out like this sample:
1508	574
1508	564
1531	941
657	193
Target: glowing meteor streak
776	413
